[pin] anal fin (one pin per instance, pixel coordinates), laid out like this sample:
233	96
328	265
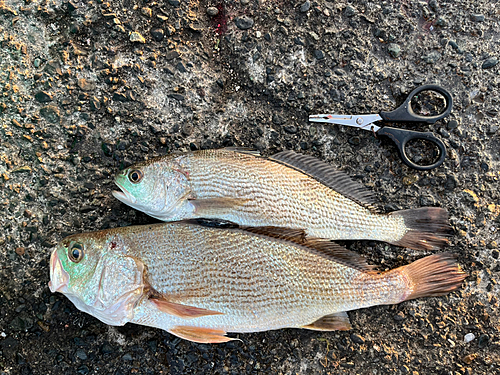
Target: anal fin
181	311
333	322
201	335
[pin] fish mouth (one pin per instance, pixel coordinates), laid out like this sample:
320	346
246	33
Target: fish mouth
123	195
59	278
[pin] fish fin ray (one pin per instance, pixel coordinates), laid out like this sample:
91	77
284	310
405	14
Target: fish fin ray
328	176
428	228
181	311
327	248
294	235
216	206
201	335
434	275
333	322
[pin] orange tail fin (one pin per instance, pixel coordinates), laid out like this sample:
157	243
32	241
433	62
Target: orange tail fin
434	275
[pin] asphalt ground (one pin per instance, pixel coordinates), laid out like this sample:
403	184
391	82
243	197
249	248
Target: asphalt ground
89	87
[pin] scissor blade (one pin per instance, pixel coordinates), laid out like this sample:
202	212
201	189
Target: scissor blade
359	121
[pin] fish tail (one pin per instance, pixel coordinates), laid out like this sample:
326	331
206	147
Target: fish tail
427	228
434	275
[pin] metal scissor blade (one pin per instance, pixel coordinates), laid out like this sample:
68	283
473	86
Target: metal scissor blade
358	121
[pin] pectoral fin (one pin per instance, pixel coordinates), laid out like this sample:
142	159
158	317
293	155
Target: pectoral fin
201	335
181	311
334	322
216	206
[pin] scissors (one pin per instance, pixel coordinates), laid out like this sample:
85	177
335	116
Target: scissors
404	113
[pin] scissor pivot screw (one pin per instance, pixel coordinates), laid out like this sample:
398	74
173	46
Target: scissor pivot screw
359	120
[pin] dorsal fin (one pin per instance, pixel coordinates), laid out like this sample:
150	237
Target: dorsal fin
328	176
328	249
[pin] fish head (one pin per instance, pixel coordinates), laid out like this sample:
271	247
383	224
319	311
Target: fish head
95	273
157	187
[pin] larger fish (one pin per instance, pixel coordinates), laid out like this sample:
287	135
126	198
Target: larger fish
287	190
198	282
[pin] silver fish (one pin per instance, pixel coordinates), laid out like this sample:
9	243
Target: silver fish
286	190
200	282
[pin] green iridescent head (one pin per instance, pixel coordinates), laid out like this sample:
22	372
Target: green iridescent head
157	187
93	271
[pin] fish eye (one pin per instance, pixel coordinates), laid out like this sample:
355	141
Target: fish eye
135	176
75	252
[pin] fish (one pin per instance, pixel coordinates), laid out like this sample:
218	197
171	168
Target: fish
199	280
285	190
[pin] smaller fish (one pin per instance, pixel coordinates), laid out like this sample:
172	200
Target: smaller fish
199	282
286	190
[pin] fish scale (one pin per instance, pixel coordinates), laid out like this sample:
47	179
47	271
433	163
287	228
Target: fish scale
284	202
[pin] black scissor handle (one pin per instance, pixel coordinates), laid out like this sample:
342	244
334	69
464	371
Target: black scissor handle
401	137
404	113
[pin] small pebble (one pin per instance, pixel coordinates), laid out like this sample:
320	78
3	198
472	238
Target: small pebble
148	12
244	23
357	338
20	251
157	34
490	63
469	337
136	37
212	11
305	6
43	97
483	341
394	50
452	124
319	54
477	17
181	68
349	11
80	353
493	129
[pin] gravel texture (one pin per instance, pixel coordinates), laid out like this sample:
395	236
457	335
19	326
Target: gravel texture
88	87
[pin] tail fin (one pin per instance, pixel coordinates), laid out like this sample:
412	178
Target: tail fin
428	228
434	275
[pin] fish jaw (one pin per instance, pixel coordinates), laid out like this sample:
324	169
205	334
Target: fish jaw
59	278
124	195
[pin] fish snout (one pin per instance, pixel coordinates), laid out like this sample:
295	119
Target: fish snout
58	276
123	195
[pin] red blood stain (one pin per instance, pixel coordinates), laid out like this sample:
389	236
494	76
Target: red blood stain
113	245
220	20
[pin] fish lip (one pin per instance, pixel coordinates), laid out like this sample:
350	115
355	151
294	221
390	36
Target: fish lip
59	278
123	195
